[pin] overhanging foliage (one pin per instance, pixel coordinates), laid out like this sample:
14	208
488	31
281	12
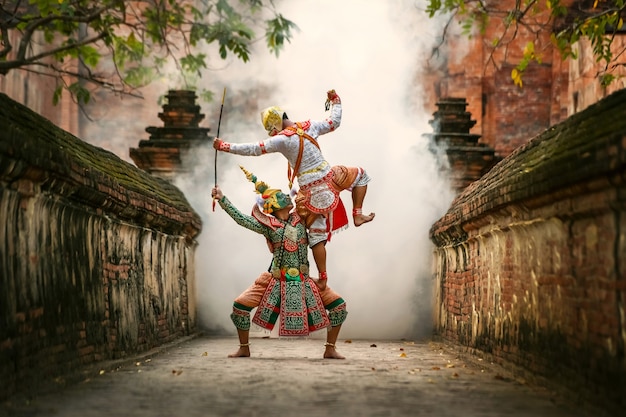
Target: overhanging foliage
123	45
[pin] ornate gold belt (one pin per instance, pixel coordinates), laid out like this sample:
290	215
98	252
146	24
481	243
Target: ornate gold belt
317	168
293	272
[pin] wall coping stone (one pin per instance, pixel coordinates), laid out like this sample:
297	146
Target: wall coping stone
60	164
587	146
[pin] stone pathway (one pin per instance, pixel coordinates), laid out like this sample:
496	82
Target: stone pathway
288	377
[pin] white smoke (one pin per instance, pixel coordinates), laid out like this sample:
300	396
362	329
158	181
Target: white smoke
371	53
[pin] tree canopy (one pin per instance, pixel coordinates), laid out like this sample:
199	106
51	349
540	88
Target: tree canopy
123	45
567	22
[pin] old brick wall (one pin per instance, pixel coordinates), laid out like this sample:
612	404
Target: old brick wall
584	87
36	91
530	260
508	116
96	256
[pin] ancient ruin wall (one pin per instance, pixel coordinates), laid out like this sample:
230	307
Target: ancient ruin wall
530	260
96	256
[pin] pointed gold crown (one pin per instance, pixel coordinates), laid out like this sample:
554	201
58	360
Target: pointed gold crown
271	199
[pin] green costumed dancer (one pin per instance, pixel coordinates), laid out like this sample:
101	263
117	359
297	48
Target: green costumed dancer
303	304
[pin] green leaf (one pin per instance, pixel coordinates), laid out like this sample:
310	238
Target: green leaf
81	93
606	79
139	76
193	63
56	95
278	30
89	55
206	95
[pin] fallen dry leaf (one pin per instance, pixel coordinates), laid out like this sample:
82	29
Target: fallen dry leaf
204	354
373	345
435	368
348	341
403	355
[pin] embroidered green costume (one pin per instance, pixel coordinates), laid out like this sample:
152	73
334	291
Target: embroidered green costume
286	290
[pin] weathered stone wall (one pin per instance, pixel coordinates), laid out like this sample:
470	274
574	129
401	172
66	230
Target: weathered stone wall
96	256
530	260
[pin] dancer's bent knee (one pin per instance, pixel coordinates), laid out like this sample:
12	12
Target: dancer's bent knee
241	316
337	312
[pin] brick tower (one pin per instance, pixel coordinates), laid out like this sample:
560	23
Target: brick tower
163	154
466	159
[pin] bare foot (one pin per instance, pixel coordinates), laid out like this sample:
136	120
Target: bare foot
331	353
359	219
242	352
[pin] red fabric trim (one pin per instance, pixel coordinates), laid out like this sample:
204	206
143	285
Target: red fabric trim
266	219
338	219
265	303
291	132
306	191
295	218
224	146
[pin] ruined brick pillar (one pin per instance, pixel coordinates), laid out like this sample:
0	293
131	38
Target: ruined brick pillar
163	154
464	159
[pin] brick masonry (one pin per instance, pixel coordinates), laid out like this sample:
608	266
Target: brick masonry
507	116
96	255
530	260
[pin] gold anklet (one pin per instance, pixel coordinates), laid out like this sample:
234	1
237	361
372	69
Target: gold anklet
329	344
244	344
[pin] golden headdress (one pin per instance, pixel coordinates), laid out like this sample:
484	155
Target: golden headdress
271	199
272	119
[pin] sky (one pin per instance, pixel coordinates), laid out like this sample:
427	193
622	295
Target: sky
369	52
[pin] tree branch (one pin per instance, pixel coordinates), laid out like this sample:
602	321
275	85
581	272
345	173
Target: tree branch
6	66
38	23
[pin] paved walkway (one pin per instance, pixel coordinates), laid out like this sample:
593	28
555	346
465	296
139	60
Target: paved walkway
288	377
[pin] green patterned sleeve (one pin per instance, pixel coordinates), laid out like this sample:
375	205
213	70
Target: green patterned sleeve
241	219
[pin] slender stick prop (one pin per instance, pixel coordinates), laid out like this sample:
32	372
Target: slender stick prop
219	122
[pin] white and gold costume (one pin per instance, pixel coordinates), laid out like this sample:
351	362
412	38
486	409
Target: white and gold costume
318	201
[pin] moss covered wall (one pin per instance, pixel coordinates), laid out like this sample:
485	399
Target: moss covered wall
530	261
96	256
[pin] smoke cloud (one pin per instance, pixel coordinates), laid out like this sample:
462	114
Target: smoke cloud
371	53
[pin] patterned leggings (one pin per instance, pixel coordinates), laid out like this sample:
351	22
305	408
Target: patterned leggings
251	299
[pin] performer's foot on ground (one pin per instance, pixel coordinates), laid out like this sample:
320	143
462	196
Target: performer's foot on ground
359	219
242	352
331	353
